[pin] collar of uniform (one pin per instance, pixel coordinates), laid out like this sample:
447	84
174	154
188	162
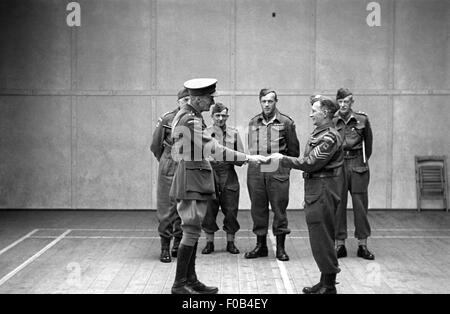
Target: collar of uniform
351	116
195	111
319	129
274	118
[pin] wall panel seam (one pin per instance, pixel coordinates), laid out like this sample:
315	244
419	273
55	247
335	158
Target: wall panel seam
237	92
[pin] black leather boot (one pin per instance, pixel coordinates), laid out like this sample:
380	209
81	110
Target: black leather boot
209	248
281	253
261	248
180	284
165	255
176	244
364	252
328	284
232	248
341	251
192	280
315	288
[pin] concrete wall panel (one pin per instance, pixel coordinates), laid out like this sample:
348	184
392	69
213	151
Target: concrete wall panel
35	154
113	156
35	47
275	51
139	52
420	124
349	52
113	45
422	45
192	42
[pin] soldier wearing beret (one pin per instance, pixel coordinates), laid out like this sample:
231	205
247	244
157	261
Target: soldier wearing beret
161	147
322	165
270	132
226	182
193	183
357	133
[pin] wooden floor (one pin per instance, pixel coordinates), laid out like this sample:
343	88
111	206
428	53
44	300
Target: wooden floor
117	252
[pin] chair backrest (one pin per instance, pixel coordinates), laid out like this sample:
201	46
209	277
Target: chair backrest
431	178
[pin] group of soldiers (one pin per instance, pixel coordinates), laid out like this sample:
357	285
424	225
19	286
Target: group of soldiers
197	176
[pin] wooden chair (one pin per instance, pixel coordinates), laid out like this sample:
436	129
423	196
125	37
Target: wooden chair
431	179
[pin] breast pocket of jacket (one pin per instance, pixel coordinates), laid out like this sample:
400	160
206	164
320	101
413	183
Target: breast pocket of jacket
278	133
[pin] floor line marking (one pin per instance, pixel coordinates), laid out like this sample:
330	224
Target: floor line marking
94	229
18	241
33	258
94	237
395	237
291	237
282	267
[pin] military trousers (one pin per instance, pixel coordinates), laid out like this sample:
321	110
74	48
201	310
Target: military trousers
227	198
356	180
169	220
266	188
322	198
192	213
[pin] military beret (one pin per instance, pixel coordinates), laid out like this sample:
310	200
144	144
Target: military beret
201	87
263	92
183	93
342	93
218	107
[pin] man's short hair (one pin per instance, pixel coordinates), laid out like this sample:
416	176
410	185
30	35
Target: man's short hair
325	104
218	107
263	92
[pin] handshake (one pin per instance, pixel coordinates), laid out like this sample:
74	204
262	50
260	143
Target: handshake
259	159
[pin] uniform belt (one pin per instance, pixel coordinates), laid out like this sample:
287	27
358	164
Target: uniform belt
321	174
221	166
352	153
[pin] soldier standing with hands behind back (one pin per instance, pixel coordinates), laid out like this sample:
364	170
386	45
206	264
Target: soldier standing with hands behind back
357	133
161	147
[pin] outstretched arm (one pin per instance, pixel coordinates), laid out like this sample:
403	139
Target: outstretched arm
317	158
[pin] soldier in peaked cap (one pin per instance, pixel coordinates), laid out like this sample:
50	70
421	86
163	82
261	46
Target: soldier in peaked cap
357	133
161	147
193	184
322	166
